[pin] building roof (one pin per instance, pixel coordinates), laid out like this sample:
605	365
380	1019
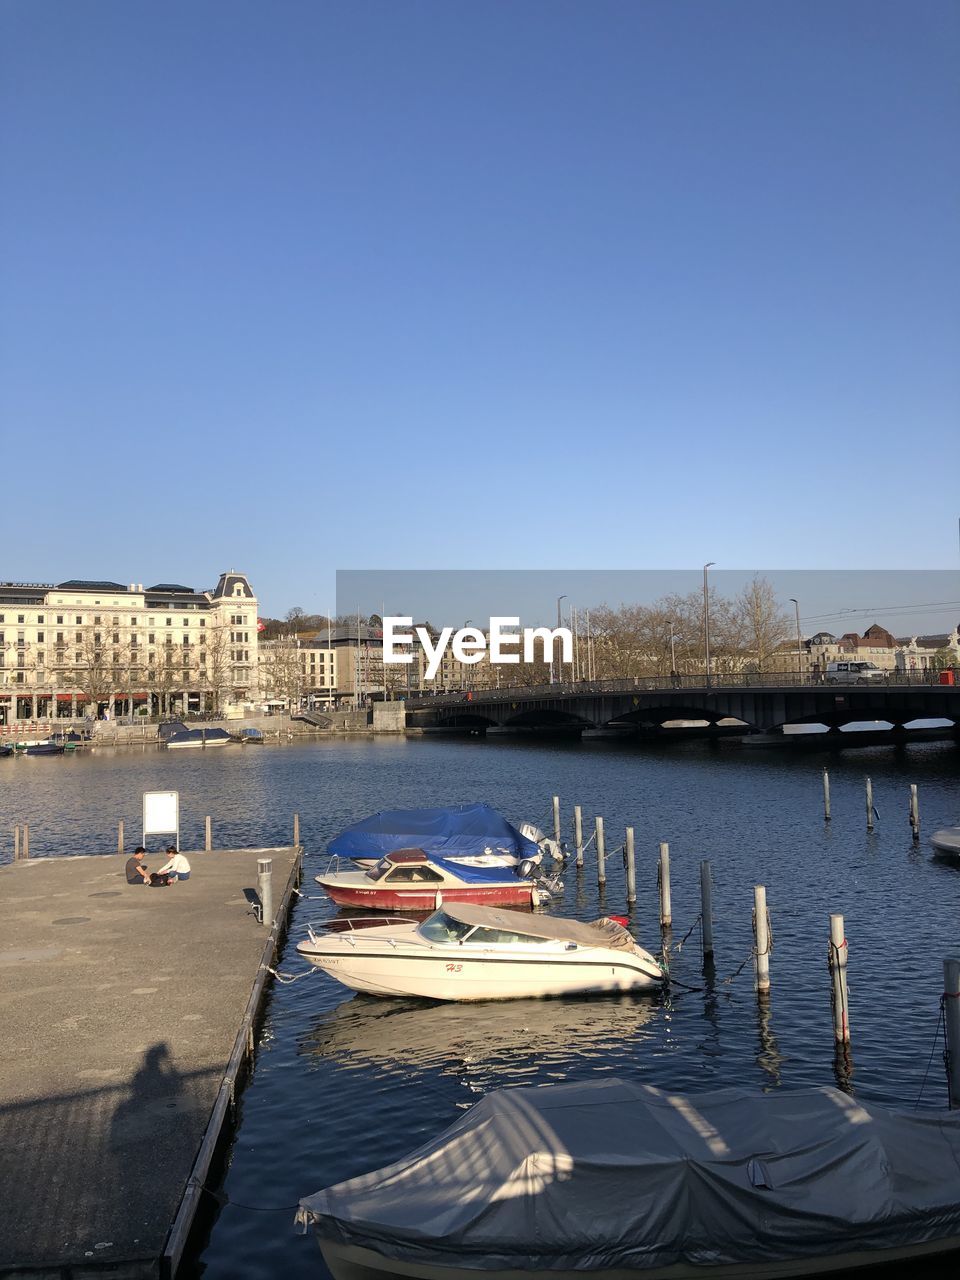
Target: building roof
169	588
227	586
82	584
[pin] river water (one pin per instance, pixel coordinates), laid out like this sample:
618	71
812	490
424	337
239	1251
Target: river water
343	1083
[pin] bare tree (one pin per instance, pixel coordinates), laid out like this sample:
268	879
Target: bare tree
763	623
92	672
216	655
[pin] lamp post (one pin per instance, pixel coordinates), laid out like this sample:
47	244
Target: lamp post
552	647
706	620
796	607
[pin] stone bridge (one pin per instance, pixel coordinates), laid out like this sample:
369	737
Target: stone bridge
648	706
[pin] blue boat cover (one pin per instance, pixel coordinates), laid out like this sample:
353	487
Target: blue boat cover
467	828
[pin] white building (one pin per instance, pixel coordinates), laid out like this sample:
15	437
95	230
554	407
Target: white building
91	649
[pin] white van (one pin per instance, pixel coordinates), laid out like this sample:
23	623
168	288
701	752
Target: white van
853	672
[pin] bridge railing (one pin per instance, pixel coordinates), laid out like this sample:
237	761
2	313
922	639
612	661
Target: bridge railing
674	684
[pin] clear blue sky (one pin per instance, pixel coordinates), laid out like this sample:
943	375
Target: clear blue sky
298	286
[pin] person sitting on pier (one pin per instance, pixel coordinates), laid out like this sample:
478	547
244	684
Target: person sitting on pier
136	870
176	866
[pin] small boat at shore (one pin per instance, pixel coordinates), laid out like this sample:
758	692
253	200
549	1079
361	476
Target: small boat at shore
412	880
947	842
622	1181
469	952
198	738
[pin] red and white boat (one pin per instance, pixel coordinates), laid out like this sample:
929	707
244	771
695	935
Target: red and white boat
411	880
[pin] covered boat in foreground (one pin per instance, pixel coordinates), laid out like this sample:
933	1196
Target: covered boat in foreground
412	880
468	952
620	1180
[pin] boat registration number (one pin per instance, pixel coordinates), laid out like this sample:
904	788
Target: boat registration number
454	968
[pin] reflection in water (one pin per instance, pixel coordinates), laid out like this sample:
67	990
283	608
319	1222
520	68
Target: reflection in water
843	1066
488	1041
769	1057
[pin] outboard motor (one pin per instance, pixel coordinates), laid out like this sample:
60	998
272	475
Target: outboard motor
526	868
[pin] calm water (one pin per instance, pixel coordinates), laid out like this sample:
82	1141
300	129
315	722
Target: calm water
345	1083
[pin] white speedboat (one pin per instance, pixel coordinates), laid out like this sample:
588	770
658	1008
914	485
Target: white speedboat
468	952
621	1181
947	842
198	738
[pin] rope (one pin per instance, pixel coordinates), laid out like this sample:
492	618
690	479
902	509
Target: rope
941	1022
750	956
679	946
223	1199
311	897
290	977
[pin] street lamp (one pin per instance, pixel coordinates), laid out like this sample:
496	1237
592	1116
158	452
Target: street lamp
706	620
796	607
553	646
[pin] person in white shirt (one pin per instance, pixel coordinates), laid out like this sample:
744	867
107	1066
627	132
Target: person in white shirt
176	866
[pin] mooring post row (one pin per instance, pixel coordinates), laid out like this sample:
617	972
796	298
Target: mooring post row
556	818
762	937
706	909
601	854
951	1020
838	969
578	834
630	858
666	911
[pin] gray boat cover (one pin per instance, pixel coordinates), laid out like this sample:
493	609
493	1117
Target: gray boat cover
619	1174
599	933
947	841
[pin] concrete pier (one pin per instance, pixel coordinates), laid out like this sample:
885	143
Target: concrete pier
120	1009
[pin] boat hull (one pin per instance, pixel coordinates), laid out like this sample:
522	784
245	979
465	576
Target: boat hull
423	899
353	1262
456	975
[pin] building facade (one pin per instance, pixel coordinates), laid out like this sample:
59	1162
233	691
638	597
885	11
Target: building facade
98	649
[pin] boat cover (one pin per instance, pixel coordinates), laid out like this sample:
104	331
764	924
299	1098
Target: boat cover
947	841
465	829
600	933
619	1174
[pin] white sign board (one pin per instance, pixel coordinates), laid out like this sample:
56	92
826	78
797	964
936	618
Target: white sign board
161	814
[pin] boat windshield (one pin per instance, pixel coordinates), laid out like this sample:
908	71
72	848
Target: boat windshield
504	937
443	928
380	870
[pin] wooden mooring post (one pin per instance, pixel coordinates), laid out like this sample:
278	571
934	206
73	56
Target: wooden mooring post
16	843
826	796
914	811
25	846
663	880
601	855
556	819
951	1019
296	830
631	865
761	933
838	969
207	834
120	836
869	804
265	888
706	910
578	834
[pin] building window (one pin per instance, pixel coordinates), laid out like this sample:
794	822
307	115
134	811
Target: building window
20	617
169	622
40	617
79	620
39	637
